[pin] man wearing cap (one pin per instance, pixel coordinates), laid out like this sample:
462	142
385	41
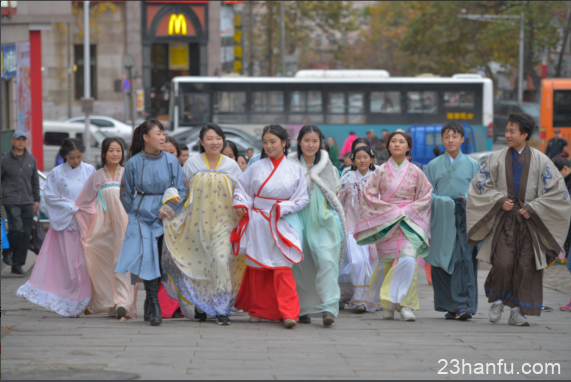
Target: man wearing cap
555	145
20	198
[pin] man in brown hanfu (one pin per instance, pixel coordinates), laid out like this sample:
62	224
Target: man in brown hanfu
519	207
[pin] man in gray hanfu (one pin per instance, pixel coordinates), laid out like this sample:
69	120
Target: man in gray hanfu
453	260
519	207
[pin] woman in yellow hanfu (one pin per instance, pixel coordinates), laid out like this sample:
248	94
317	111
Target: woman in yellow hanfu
198	265
395	214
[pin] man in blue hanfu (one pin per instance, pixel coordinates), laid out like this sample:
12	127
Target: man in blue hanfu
453	260
519	208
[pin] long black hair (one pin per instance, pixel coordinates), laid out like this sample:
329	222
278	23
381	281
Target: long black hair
561	162
408	139
174	143
360	140
279	132
105	148
68	145
233	147
144	128
217	130
366	149
306	130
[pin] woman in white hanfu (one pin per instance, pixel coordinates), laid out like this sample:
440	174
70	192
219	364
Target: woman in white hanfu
198	261
356	272
267	197
60	281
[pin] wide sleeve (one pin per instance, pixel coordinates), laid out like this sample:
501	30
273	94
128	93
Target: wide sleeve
243	193
372	202
127	194
484	201
178	180
60	209
298	200
86	204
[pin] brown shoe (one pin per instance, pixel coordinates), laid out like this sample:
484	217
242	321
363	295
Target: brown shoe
289	323
328	319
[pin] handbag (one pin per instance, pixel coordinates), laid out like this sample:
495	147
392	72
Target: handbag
38	235
5	243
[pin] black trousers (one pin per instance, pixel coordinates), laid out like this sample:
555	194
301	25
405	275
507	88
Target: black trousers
20	219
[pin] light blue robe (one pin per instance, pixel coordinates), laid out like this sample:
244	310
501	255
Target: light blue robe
151	174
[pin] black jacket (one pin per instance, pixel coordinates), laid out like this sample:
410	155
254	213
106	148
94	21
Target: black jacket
20	184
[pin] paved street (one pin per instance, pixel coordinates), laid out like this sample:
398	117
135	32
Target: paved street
356	347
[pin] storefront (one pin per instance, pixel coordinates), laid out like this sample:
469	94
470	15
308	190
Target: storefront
175	38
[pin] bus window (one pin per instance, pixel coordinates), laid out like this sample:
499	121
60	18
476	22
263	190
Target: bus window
356	108
433	139
194	108
229	107
562	108
459	99
385	102
267	106
336	108
302	104
422	102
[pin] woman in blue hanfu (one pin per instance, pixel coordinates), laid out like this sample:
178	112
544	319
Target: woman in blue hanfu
148	174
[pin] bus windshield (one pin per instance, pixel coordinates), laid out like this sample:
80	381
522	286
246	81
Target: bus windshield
531	109
562	108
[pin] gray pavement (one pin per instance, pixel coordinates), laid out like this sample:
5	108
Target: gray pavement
356	347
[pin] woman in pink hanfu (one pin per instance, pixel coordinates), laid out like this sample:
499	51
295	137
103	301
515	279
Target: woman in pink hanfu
395	214
60	281
102	222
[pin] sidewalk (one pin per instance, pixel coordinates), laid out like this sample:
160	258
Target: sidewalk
356	347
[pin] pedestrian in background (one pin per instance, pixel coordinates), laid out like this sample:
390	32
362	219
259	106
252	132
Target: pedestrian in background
333	151
172	147
21	199
60	281
374	142
348	143
184	155
564	166
556	145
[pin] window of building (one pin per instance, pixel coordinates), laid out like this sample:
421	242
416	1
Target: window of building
385	102
422	102
229	107
459	99
79	70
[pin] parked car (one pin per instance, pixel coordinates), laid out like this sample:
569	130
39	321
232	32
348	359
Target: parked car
504	107
111	127
56	131
481	157
242	139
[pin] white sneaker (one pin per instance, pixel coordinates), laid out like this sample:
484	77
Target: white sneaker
406	314
495	312
517	319
388	314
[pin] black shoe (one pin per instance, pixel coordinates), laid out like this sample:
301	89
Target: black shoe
147	310
177	314
199	314
546	309
223	319
17	270
7	258
463	315
305	319
152	289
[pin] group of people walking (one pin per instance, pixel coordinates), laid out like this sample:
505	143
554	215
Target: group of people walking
288	238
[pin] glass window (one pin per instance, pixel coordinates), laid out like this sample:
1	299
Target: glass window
92	141
268	102
422	102
356	103
229	107
308	104
101	122
194	108
314	102
298	101
533	109
459	99
433	139
79	66
385	102
54	139
562	108
336	103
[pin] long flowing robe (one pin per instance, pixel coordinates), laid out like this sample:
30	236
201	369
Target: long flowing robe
453	260
102	222
271	191
518	248
60	281
358	266
324	240
145	180
395	214
198	260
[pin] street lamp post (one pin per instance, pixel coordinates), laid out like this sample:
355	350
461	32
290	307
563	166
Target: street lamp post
282	38
494	18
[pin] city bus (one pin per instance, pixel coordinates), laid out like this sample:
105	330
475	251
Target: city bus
555	109
339	103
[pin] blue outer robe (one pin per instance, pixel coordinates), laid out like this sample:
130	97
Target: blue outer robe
454	272
151	174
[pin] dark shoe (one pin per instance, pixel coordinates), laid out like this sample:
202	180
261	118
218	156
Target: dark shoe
17	270
546	309
152	289
450	316
177	314
463	315
199	314
147	310
7	258
305	319
328	318
121	311
223	319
